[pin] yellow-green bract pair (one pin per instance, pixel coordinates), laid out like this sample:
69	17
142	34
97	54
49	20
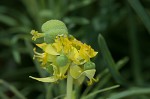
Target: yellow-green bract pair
62	53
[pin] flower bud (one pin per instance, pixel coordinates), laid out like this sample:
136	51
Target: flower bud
53	28
62	60
89	65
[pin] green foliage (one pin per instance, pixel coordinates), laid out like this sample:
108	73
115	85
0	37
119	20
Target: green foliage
124	26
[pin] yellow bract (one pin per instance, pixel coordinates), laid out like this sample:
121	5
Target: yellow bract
76	52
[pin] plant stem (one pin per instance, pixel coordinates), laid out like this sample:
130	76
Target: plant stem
69	86
13	89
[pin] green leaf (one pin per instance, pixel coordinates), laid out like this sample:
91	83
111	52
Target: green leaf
139	9
99	91
13	89
109	60
79	4
3	95
130	92
76	20
105	77
46	79
7	20
16	55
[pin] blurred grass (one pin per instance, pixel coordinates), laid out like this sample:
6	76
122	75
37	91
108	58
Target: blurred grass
124	25
141	12
13	89
109	61
133	91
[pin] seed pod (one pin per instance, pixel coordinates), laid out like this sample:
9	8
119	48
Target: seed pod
53	28
89	65
62	60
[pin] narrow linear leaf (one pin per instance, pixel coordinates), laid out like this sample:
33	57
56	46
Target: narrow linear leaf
60	96
130	92
136	62
122	62
80	4
7	20
104	76
13	89
77	20
99	91
109	60
16	56
119	65
49	91
3	96
139	9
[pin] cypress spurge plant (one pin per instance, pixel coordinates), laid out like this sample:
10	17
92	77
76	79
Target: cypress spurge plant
64	56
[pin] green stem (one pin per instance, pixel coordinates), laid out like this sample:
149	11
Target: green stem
135	49
13	89
69	86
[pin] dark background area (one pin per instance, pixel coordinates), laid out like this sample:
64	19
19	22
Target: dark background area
125	25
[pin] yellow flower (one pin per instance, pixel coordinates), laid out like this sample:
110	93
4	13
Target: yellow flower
67	54
36	35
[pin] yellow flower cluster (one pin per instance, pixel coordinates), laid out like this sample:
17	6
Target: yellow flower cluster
66	55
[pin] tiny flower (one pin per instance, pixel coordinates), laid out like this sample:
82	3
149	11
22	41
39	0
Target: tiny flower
36	35
65	54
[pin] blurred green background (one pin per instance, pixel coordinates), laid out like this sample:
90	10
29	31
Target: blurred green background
123	24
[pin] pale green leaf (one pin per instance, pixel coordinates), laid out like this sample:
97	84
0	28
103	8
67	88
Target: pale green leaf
46	79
